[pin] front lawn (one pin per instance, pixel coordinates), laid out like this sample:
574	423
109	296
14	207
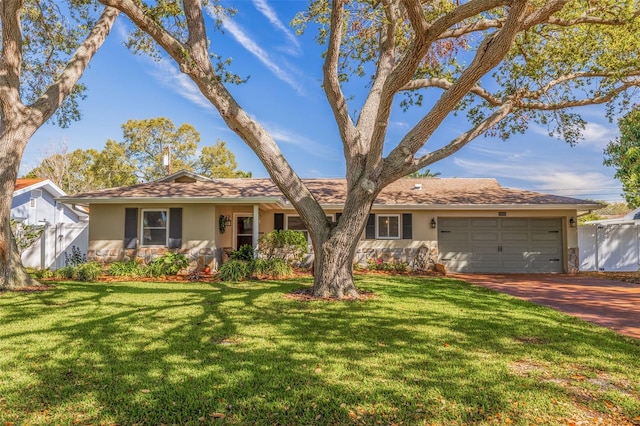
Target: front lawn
423	351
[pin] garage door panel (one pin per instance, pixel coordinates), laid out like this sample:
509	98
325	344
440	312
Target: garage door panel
485	236
515	223
501	244
455	236
515	236
484	223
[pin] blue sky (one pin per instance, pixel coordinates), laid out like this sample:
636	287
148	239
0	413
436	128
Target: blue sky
284	94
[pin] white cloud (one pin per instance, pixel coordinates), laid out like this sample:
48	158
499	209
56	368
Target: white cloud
301	142
169	75
265	8
243	38
595	135
598	136
550	177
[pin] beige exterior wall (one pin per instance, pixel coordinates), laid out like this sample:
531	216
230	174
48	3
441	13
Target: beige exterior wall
201	234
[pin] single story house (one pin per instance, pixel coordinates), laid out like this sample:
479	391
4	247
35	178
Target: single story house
469	225
611	244
35	203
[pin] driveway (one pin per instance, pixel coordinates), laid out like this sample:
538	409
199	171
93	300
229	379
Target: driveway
612	304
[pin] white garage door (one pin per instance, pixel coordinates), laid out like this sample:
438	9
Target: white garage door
510	245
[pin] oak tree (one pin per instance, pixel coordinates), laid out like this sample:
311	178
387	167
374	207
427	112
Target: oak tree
217	161
623	153
505	63
45	48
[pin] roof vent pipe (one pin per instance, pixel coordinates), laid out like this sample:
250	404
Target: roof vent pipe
417	186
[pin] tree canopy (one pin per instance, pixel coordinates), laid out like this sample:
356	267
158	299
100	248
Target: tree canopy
505	64
623	153
139	157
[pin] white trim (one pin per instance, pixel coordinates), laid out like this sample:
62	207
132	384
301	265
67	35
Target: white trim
378	237
166	228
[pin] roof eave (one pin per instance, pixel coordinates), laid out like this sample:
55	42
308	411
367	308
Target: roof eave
172	200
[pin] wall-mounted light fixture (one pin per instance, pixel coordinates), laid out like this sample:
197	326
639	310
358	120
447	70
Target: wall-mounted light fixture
223	222
572	222
433	222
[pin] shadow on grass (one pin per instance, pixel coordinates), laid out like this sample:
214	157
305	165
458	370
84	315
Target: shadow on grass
425	350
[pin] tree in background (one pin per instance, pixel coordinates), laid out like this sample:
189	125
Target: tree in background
504	63
623	153
217	161
46	47
424	173
139	157
68	170
611	210
147	143
111	168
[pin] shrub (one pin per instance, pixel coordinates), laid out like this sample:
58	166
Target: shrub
169	263
259	268
127	269
75	258
291	246
278	268
245	252
234	270
65	272
87	272
380	265
40	273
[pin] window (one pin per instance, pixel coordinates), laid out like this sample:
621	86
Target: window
294	223
388	226
154	227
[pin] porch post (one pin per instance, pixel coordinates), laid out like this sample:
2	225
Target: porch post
256	225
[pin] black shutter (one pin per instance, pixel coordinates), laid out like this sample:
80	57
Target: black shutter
278	221
407	233
338	217
370	233
175	228
130	228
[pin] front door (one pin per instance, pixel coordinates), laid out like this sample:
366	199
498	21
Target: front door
244	230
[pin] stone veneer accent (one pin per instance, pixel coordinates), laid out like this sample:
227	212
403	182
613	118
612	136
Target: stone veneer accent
198	258
423	258
573	256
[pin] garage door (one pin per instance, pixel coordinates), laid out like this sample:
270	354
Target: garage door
510	245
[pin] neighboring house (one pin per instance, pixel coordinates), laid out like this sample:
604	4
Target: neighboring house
469	225
611	244
34	203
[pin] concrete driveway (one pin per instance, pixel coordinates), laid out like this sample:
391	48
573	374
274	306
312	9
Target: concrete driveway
612	304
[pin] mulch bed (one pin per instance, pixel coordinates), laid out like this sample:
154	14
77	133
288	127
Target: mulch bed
305	295
627	277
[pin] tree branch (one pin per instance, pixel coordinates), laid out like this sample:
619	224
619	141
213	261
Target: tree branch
331	85
377	108
462	140
441	83
48	103
490	52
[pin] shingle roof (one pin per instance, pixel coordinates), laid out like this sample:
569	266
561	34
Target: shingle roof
407	191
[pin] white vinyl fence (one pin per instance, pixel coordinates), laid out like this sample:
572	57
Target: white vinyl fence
609	247
56	240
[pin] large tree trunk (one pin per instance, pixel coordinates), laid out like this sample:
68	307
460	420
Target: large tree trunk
12	273
334	251
333	266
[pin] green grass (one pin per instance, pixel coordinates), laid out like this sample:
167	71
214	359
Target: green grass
424	351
